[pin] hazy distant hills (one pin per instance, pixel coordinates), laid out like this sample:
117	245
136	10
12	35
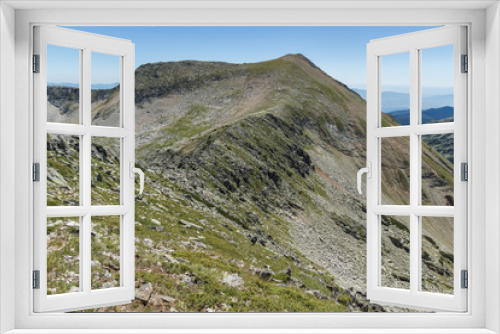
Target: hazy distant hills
393	101
428	115
74	85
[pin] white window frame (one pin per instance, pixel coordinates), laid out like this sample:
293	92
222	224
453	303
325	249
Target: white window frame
484	103
86	44
413	44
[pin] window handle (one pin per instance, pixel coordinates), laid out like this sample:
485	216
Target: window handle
368	171
133	171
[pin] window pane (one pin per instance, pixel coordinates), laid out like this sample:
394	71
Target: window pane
63	170
105	171
105	264
395	252
395	170
63	255
437	254
63	85
395	89
437	169
437	82
105	80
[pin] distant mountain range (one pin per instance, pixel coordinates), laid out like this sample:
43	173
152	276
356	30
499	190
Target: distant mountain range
428	115
393	101
75	85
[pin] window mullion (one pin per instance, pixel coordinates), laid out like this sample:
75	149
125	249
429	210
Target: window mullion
415	177
86	176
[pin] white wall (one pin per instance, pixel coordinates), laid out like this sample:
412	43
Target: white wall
492	165
7	160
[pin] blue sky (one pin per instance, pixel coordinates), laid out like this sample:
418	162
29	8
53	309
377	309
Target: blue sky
339	51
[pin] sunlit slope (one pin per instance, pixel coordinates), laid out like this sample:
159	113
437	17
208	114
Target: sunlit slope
262	160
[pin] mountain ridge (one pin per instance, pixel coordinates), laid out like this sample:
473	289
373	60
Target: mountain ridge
251	172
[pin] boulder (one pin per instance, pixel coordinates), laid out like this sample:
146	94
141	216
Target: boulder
233	280
167	299
74	289
264	273
317	294
287	271
143	293
187	224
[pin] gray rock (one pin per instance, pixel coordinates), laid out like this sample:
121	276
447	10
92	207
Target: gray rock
168	299
264	273
148	242
334	289
143	293
156	222
74	289
187	224
233	280
287	271
170	258
317	294
156	228
95	264
297	283
201	245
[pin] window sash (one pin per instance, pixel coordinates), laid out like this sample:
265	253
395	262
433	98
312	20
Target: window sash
413	43
86	297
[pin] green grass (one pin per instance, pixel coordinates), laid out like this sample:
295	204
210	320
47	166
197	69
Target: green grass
447	256
430	240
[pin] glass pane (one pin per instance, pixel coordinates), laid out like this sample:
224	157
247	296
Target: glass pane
63	84
395	170
63	255
395	89
437	82
105	263
437	254
105	171
63	170
105	80
395	252
437	169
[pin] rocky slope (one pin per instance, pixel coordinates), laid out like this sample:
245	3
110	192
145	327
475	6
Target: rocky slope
250	201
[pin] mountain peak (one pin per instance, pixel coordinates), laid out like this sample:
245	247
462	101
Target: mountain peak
299	59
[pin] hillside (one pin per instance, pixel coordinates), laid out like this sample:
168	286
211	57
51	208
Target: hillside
250	201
